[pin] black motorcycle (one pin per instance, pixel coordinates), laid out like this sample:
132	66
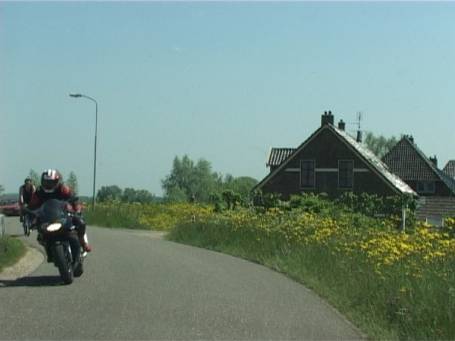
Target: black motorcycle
58	235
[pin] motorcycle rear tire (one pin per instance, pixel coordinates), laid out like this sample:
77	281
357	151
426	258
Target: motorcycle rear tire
63	262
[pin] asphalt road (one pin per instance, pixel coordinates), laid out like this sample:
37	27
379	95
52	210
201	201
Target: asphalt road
138	286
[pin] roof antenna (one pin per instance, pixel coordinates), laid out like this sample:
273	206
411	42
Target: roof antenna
359	132
359	119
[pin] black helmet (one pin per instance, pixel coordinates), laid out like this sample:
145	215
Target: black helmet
50	179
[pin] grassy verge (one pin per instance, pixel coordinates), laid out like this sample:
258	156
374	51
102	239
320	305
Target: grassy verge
388	292
113	215
392	285
11	250
143	216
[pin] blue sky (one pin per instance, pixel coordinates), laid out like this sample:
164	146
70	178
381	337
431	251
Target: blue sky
224	81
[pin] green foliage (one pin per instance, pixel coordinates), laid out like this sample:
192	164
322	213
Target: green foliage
71	181
376	206
270	200
195	181
114	214
109	193
133	195
175	194
373	205
241	185
231	199
379	145
369	205
310	202
130	195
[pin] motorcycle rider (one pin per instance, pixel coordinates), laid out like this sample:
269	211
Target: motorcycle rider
52	187
25	195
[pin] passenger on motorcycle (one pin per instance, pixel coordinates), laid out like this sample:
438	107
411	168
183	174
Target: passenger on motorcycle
52	187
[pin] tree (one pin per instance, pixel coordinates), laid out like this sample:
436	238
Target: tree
36	179
241	185
380	145
190	180
2	189
107	193
128	195
72	182
175	194
144	196
133	195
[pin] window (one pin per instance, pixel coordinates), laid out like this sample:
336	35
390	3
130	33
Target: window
307	174
426	187
345	173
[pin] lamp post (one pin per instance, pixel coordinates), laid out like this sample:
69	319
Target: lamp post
96	129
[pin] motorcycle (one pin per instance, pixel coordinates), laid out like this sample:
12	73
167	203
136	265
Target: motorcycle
58	235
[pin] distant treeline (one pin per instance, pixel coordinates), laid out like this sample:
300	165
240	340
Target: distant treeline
188	181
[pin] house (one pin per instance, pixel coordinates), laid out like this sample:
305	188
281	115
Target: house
330	161
435	188
449	169
407	161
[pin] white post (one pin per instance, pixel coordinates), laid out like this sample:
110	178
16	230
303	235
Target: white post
2	224
403	218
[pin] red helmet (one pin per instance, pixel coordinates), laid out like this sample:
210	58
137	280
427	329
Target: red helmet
50	179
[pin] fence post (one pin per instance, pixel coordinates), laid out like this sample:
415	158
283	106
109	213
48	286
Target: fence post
2	227
403	218
2	224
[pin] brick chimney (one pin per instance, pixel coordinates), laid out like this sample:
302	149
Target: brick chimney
327	118
434	160
341	125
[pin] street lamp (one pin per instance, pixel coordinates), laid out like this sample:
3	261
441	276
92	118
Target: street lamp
96	129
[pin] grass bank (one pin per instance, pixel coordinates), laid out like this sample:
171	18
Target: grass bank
390	284
159	217
11	250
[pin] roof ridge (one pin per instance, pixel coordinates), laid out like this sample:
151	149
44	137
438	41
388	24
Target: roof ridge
376	162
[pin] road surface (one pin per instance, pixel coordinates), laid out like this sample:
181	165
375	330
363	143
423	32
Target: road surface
138	286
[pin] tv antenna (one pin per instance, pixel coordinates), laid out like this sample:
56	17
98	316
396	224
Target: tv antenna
359	118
